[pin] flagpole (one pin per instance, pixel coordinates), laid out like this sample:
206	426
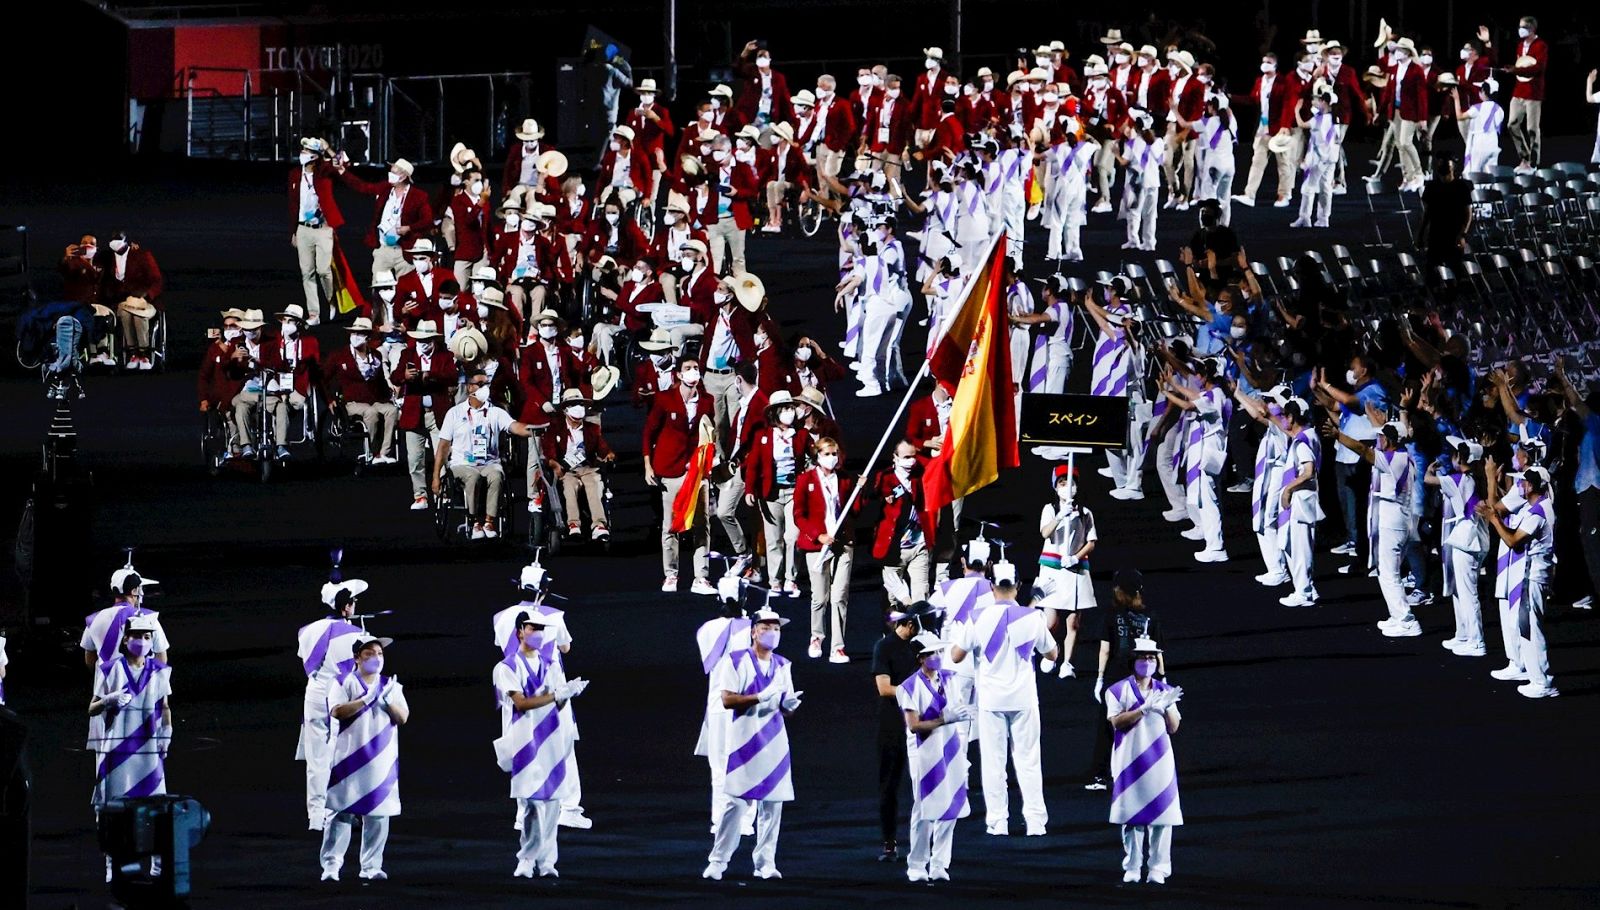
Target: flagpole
905	400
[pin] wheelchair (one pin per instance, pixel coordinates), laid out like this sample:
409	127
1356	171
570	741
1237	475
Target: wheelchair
342	433
547	513
109	341
453	521
219	436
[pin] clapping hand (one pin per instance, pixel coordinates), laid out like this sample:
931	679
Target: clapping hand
791	702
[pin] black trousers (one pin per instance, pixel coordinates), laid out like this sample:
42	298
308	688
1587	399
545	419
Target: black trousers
1589	539
891	777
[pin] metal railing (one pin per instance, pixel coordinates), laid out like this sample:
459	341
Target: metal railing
186	82
420	117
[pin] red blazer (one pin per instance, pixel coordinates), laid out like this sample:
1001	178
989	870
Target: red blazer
769	366
900	121
838	125
664	248
821	426
892	520
1158	96
699	296
743	324
550	253
554	445
795	171
1110	125
628	303
1533	89
538	386
80	279
926	94
948	135
727	121
652	134
632	244
1347	84
741	188
141	277
322	183
977	112
1191	102
1412	93
825	370
344	380
415	213
749	95
645	384
1297	100
811	512
471	218
1273	112
736	442
922	422
408	290
1476	72
307	370
671	433
760	479
439	381
218	381
638	174
512	174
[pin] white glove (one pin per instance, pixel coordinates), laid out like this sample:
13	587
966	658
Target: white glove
952	715
562	692
389	692
577	687
1099	689
1173	695
1046	665
966	712
124	698
768	703
791	702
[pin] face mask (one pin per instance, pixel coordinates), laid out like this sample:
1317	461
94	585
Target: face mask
423	266
426	347
763	62
1350	377
905	462
719	155
1052	97
1401	56
89	251
882	235
761	339
689	377
118	246
480	394
1306	66
769	639
1237	331
1426	60
577	412
138	646
687	263
1518	462
1465	53
722	297
930	63
823	94
1041	61
1335	61
1144	667
386	295
802	354
613	217
1064	491
1522	32
575	342
372	666
863	81
394	179
662	361
253	334
232	334
1204	80
829	461
290	329
1172	70
580	189
933	663
637	276
533	639
951	90
1121	59
616	146
786	416
716	104
705	116
306	157
894	93
530	145
670	218
513	222
547	332
475	188
1269	67
647	99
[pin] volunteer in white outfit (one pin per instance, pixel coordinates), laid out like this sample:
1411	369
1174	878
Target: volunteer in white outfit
957	600
1593	97
1144	798
130	707
1527	546
1391	521
887	306
1064	584
1205	451
1483	121
716	639
1142	156
1066	192
535	741
931	702
1001	640
1321	159
1112	373
102	631
1051	331
1272	457
1219	133
1464	540
757	686
1299	510
365	781
327	656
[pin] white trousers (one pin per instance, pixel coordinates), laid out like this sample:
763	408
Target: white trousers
907	582
1020	731
769	819
1142	218
317	743
1271	553
1066	242
930	843
541	820
1390	553
1125	463
699	533
1535	654
1147	842
1167	468
336	840
852	326
315	248
778	528
1468	607
1302	541
878	339
1316	193
1201	498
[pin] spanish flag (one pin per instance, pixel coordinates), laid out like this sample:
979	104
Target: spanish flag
975	358
686	505
346	290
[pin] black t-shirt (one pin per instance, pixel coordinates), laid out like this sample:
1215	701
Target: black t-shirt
896	658
1120	628
1446	204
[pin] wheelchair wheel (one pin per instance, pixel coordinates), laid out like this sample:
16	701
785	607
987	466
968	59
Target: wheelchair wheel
267	464
810	218
213	442
26	362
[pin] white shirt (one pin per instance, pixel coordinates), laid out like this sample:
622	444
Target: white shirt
310	205
390	222
723	349
474	434
1005	680
575	454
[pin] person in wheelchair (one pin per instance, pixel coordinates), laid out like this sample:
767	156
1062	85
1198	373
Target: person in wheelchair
425	377
220	378
675	231
357	386
131	282
80	281
615	234
574	450
533	260
244	367
782	172
469	444
639	286
293	365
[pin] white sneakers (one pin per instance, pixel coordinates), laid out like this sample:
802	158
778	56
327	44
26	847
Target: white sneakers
1175	515
1294	599
574	818
523	870
998	829
1211	556
1534	690
1156	878
1249	201
1193	534
1271	579
814	650
1404	628
1282	204
329	873
376	875
1127	494
1130	878
1510	673
768	873
702	586
838	656
1101	207
1035	830
714	872
1344	549
791	590
670	585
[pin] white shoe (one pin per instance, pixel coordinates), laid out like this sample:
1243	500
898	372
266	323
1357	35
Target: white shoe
1156	878
1321	223
1404	629
1130	878
1271	579
713	872
477	532
916	875
1126	494
574	818
1534	690
998	829
814	650
1344	549
376	875
1243	486
1183	206
1340	189
523	870
701	586
490	533
1105	472
670	586
1035	831
768	873
1101	207
600	532
1451	644
1282	204
869	391
1175	515
1211	556
1299	223
838	656
939	875
1510	673
1193	534
549	873
1469	650
791	590
328	875
1295	600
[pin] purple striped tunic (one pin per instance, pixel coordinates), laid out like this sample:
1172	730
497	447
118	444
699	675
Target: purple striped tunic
937	762
539	741
365	779
1144	788
130	753
758	747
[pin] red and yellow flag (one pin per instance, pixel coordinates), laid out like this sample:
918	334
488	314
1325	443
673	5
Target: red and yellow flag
346	290
975	357
691	497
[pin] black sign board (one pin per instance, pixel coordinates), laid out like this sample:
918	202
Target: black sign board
1075	420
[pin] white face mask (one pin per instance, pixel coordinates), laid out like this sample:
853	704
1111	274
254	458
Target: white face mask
547	332
1466	52
1052	97
1268	67
118	246
761	339
306	157
763	62
863	81
1401	56
394	178
426	347
1041	61
1306	66
88	252
530	145
475	187
706	116
893	93
786	416
483	311
1121	59
616	146
232	334
575	342
1204	80
719	155
577	412
1350	377
422	265
689	376
905	462
1172	70
1335	61
386	294
637	276
579	190
1426	60
1237	331
951	89
823	94
721	296
930	63
513	222
480	394
613	217
670	218
1522	32
455	179
716	104
289	328
829	461
802	354
1064	491
687	263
